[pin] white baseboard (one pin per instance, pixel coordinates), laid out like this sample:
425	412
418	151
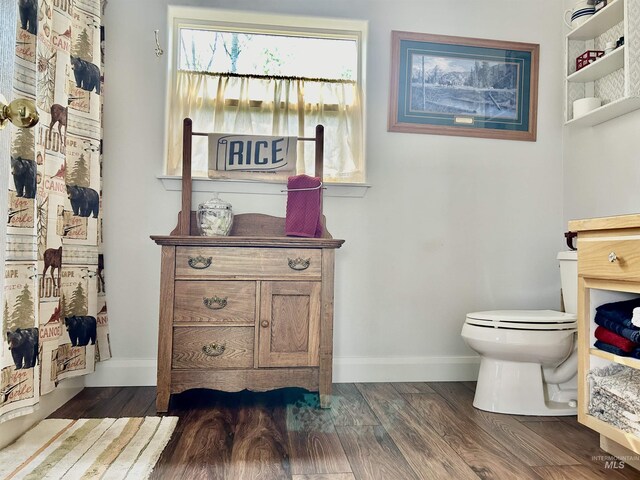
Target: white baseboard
124	372
405	369
66	390
128	372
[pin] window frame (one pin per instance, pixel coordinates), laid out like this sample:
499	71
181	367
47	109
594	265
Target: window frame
267	23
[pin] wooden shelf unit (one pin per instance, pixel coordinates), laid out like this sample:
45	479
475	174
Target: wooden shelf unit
615	78
628	361
601	67
597	238
600	22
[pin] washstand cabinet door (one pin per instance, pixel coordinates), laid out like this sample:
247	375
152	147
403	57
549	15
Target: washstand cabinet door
289	332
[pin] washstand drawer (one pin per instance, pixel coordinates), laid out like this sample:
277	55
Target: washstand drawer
611	258
215	301
248	262
212	347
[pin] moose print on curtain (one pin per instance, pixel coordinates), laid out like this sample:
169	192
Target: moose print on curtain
54	318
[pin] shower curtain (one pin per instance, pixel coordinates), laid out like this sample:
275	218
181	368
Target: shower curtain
54	318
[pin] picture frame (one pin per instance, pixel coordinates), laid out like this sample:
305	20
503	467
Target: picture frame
462	86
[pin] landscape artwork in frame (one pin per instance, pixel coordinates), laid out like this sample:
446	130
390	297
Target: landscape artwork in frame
463	86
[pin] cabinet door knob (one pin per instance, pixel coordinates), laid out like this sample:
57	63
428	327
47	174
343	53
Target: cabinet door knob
264	323
613	257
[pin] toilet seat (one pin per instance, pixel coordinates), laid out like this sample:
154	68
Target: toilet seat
523	320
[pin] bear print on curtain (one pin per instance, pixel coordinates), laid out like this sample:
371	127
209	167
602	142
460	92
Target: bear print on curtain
54	318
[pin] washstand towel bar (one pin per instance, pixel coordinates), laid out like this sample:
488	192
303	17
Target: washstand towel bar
300	139
304	189
184	218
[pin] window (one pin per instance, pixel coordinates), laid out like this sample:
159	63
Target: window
263	74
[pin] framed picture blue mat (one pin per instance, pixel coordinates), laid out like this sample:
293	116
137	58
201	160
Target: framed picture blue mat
463	86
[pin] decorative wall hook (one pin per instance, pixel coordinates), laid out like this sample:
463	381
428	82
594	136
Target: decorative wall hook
159	51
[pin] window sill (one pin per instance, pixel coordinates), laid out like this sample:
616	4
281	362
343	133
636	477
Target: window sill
201	184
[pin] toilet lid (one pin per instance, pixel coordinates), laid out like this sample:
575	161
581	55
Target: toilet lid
524	319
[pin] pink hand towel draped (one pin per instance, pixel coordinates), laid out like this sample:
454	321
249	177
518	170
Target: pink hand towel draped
303	207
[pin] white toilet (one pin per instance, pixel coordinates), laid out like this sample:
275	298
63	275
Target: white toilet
528	358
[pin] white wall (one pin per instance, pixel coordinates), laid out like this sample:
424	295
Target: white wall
602	168
451	224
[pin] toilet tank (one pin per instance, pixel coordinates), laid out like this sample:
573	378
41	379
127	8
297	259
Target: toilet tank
569	278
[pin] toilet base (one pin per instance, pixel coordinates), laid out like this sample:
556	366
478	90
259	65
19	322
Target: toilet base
518	388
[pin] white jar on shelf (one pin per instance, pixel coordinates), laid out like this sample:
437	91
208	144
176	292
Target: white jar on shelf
215	217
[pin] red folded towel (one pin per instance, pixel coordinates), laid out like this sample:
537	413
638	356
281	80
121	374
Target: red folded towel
607	336
303	207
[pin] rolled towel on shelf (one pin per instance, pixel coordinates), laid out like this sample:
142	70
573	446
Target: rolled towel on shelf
635	320
631	333
605	407
620	312
607	347
619	385
614	339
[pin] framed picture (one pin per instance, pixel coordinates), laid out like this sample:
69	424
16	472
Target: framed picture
463	86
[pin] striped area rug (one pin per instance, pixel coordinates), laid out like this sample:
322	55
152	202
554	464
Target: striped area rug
101	448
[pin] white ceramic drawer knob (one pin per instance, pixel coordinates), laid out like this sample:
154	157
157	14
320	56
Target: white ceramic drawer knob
613	257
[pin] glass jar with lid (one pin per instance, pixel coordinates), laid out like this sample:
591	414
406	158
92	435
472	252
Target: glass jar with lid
215	217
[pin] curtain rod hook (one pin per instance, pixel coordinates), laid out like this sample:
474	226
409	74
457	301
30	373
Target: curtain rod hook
159	51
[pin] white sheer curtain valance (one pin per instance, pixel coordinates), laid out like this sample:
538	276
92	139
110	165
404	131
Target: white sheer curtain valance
261	105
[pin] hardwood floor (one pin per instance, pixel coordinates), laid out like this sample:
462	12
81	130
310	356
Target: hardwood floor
400	431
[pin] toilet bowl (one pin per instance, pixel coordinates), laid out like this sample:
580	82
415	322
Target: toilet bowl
528	358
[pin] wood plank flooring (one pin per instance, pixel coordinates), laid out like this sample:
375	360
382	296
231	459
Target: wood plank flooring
399	431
